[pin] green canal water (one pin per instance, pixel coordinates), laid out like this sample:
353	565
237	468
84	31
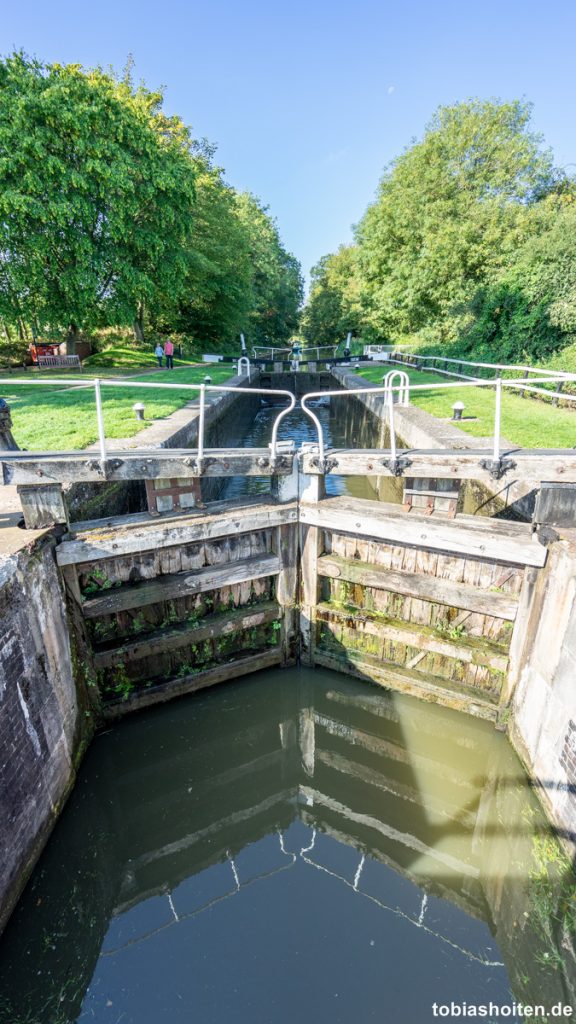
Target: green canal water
291	847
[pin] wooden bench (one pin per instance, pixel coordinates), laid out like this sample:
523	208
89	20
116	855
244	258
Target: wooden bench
58	362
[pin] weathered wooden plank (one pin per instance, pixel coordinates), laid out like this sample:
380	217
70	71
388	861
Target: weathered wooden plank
115	538
427	588
286	544
515	543
534	465
476	703
70	576
164	588
183	635
522	636
43	505
154	464
189	684
310	548
473	650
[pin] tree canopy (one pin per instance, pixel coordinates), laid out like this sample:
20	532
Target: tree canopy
472	210
277	281
334	307
111	214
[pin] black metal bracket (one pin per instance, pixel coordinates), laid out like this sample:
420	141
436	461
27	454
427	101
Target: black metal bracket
546	535
396	466
105	466
325	465
198	466
497	468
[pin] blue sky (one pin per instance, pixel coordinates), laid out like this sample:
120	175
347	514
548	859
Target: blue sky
307	101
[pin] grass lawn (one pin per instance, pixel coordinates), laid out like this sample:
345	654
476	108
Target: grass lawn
525	422
64	417
128	359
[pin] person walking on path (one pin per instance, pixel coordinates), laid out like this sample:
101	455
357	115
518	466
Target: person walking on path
169	353
159	353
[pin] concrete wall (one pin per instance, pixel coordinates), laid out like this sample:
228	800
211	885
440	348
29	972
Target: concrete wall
543	729
40	719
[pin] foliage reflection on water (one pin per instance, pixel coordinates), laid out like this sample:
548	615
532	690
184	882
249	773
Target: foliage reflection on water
293	846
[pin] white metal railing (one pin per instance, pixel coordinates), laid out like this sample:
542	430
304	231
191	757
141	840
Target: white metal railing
97	384
377	350
283	354
560	377
307	352
387	392
244	367
404	393
278	354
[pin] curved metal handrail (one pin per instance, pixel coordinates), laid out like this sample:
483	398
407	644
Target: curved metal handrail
404	393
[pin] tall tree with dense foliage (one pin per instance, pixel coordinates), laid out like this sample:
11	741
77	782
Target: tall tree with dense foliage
217	296
277	281
96	196
529	310
333	308
449	213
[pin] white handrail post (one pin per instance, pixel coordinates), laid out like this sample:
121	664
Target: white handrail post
391	424
497	418
276	424
318	425
201	424
244	367
100	420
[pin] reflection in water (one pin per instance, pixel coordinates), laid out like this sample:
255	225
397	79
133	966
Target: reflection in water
296	846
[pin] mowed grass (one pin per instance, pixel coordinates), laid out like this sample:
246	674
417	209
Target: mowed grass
126	358
63	417
526	422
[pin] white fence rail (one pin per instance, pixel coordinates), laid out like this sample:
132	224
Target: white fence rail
98	385
387	392
560	377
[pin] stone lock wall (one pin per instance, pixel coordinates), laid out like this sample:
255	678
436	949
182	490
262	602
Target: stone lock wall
40	716
543	728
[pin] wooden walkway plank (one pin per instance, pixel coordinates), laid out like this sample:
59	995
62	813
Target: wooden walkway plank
35	468
534	464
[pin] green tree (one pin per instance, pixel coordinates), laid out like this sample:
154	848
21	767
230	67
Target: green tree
449	214
529	311
96	198
217	296
277	284
333	307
